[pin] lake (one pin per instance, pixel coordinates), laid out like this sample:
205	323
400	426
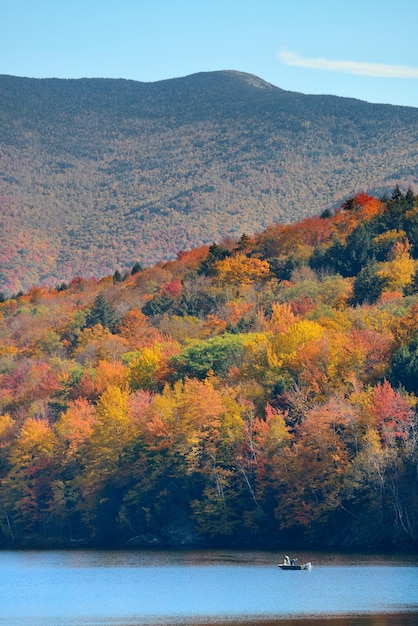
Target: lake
123	588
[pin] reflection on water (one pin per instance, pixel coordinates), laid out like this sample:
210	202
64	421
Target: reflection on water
156	557
125	588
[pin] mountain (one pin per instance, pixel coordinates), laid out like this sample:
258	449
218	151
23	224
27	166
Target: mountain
97	174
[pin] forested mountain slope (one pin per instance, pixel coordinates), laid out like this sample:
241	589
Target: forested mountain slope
259	392
97	174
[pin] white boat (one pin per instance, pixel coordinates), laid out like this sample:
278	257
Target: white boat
292	565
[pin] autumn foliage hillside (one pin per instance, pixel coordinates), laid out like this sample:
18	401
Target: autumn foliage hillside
256	391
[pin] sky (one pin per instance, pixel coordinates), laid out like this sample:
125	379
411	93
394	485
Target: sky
365	49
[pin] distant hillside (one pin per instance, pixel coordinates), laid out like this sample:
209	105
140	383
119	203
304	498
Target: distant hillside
97	174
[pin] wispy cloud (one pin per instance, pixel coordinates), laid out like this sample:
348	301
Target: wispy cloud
379	70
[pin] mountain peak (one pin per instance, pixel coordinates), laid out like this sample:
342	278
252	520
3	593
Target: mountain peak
252	79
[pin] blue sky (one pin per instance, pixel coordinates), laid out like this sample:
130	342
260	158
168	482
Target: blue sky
366	49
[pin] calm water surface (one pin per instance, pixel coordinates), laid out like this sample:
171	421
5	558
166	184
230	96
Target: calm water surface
94	588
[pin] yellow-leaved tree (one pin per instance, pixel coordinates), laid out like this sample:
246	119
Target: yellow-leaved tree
33	461
184	419
398	272
240	270
285	345
110	449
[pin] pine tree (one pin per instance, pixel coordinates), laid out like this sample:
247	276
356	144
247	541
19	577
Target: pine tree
102	313
368	285
137	267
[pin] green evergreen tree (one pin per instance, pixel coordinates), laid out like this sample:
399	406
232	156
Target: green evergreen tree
368	286
243	244
283	268
137	267
411	230
161	303
404	369
216	253
102	313
358	251
394	216
117	277
409	199
346	259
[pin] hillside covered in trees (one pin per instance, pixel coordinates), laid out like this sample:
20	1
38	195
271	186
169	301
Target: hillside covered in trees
256	391
97	174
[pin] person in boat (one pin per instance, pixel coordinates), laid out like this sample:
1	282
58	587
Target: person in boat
286	560
293	561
